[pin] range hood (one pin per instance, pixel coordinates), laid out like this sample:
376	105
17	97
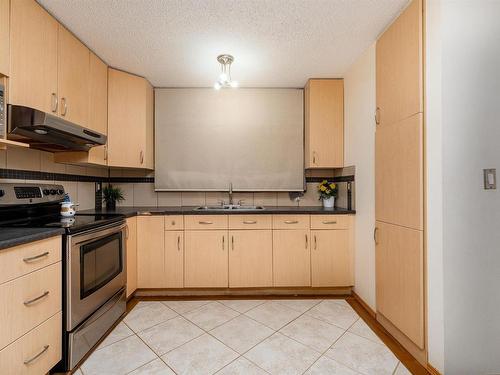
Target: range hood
47	132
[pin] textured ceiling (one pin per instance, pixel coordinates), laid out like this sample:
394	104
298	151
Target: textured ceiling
276	43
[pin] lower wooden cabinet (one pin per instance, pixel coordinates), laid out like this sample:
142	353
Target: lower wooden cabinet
250	258
131	238
150	252
331	258
291	257
174	259
206	259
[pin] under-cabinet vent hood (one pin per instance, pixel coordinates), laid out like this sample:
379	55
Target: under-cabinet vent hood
47	132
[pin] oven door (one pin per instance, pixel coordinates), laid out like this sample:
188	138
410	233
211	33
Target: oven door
95	270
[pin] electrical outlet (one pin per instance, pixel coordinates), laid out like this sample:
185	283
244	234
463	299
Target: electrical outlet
490	179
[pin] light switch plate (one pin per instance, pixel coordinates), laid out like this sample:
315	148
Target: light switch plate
490	178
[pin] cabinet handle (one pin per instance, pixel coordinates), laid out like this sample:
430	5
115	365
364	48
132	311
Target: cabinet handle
377	116
250	222
307	244
126	232
34	358
223	242
314	157
105	152
54	102
232	242
36	257
315	243
65	106
205	222
33	300
375	237
291	221
141	155
178	243
330	222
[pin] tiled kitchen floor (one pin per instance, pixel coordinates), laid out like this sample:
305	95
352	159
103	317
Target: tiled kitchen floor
307	336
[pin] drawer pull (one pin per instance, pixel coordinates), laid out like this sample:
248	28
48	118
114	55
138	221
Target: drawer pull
232	242
315	243
330	222
291	221
36	257
31	301
205	222
307	242
178	243
250	222
34	358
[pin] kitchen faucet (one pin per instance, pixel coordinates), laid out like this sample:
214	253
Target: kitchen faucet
230	193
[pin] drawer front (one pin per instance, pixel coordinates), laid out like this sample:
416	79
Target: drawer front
205	222
250	222
330	221
36	352
174	222
28	301
291	222
23	259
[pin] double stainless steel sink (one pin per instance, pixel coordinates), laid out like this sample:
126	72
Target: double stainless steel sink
229	207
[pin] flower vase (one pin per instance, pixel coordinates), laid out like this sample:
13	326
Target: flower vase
328	203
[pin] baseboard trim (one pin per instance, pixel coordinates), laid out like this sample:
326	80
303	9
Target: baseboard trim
432	370
244	293
365	305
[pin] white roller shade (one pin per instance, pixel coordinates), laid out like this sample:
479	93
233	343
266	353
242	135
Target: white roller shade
206	139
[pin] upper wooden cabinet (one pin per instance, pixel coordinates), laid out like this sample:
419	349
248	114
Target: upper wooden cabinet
130	121
4	37
73	78
324	123
400	67
33	71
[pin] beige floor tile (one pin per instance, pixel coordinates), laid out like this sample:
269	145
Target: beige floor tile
120	332
183	307
363	355
169	335
313	332
241	305
334	313
279	354
241	366
340	301
211	315
203	355
402	370
147	314
273	314
360	328
118	358
241	333
156	367
324	366
301	305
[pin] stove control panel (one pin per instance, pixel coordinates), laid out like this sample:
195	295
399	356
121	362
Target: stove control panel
15	194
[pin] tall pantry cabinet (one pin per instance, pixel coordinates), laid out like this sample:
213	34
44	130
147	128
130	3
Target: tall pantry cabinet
399	164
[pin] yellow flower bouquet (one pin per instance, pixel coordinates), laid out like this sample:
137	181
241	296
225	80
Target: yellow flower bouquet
327	190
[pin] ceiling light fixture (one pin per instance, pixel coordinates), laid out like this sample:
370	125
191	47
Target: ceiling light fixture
224	79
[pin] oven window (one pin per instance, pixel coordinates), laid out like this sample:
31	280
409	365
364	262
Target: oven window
100	262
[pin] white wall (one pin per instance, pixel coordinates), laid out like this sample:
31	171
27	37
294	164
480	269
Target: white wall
471	216
359	99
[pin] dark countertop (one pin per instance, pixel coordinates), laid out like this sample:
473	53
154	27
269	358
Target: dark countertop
190	210
17	236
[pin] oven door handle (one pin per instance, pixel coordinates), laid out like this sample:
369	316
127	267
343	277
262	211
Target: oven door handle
97	233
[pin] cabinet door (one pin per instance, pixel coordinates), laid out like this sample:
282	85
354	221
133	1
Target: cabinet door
291	258
331	258
148	155
126	119
150	252
33	71
250	258
131	255
73	78
324	123
174	259
399	67
4	37
400	279
206	259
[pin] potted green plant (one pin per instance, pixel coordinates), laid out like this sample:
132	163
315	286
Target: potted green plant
111	195
327	193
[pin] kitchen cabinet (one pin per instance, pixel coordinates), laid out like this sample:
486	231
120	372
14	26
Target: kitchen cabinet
291	257
324	123
130	121
250	258
174	258
205	259
4	37
399	67
331	258
150	252
33	70
131	242
73	78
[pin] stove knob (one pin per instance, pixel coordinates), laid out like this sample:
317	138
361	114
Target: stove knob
46	191
60	191
53	192
2	193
